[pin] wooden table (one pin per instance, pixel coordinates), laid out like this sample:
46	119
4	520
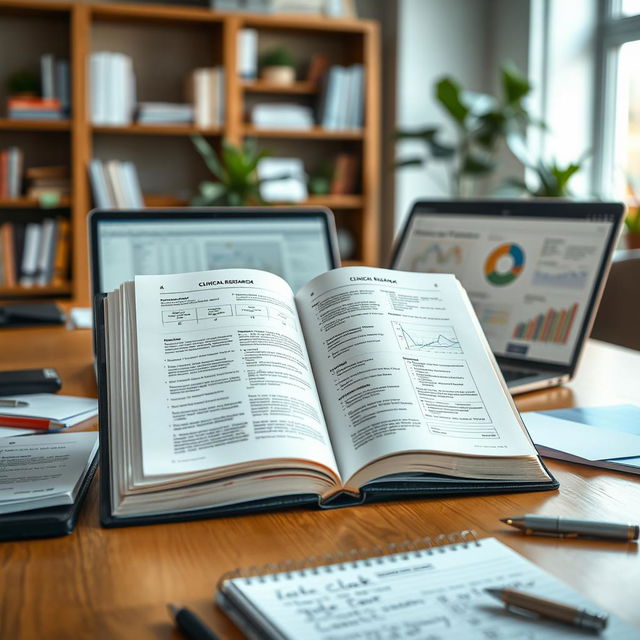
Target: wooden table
114	583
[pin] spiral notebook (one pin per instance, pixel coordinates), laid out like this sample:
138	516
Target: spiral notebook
420	589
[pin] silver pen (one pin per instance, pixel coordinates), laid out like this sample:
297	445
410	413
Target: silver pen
13	403
578	617
532	524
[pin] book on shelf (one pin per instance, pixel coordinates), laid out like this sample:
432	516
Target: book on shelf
11	172
366	385
35	253
115	185
345	174
282	115
55	83
341	104
34	109
164	113
205	90
46	181
282	180
318	66
112	89
248	54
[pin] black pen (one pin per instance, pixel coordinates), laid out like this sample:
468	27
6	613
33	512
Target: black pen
189	623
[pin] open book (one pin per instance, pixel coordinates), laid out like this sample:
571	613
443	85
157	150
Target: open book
224	392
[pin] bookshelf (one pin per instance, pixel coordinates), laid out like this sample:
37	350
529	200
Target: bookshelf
165	42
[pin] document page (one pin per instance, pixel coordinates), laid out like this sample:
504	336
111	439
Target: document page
402	365
224	375
434	594
43	470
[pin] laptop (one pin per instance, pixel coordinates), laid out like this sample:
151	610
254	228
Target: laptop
296	244
533	269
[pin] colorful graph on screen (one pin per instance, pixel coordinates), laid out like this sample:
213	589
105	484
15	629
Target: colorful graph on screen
552	326
438	257
504	264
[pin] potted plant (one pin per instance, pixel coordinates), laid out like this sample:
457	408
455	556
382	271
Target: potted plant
237	183
23	83
278	66
482	122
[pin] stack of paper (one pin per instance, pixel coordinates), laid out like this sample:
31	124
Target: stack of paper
43	408
607	437
44	470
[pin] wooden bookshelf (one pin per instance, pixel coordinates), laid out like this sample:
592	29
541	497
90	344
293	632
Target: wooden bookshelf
31	203
177	39
296	88
156	130
15	124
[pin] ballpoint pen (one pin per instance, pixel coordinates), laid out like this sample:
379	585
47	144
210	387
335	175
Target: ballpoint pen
190	624
24	422
568	528
5	402
517	600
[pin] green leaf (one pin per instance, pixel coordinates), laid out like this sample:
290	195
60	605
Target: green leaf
411	162
208	154
418	134
212	191
476	165
514	85
448	94
441	151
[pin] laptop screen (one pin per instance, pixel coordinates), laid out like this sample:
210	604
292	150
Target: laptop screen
295	247
532	279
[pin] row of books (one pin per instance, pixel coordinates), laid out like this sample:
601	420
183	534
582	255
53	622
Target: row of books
113	95
115	185
342	98
54	102
112	88
35	253
11	168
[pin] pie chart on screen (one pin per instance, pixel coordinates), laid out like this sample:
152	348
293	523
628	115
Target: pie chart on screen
504	264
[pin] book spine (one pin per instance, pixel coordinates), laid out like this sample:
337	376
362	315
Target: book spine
248	54
60	271
47	76
63	86
4	174
97	176
8	255
29	267
45	252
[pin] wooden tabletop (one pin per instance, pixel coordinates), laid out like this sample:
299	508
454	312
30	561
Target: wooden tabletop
115	583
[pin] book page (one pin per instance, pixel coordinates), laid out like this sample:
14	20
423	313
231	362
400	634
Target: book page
402	365
437	594
224	376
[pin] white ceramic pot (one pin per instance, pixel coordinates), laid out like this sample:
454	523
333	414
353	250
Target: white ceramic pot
279	75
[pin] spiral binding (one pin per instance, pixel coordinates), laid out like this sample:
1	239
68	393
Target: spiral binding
368	556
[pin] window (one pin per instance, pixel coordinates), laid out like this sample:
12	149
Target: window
617	152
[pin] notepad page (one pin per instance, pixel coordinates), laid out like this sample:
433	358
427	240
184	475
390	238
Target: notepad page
427	595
